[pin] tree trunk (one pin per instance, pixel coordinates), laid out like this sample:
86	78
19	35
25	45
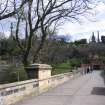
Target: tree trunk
25	60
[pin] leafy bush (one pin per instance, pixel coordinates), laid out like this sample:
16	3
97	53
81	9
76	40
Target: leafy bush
75	62
14	74
66	66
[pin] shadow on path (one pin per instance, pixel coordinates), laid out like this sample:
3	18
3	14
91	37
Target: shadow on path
98	91
103	75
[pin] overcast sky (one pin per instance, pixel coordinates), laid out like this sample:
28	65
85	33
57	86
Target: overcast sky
94	23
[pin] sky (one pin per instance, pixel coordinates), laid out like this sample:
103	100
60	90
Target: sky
93	23
77	30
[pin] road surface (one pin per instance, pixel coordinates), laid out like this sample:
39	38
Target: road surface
85	90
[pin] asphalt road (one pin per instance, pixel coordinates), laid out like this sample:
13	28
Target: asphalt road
85	90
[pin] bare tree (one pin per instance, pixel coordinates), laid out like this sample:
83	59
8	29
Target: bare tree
41	15
8	8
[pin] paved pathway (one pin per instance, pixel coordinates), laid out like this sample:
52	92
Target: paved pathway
86	90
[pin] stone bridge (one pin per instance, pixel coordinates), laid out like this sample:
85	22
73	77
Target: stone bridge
85	90
76	88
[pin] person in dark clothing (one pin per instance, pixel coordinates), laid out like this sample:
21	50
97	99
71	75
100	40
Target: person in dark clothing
87	70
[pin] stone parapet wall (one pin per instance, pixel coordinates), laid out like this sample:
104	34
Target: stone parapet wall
14	92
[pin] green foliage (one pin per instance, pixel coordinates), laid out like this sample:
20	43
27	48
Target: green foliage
3	46
66	66
14	74
61	68
75	62
79	42
103	39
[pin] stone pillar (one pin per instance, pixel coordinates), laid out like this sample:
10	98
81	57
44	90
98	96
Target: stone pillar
42	72
38	71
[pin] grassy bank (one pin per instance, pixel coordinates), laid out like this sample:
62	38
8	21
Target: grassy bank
65	67
61	68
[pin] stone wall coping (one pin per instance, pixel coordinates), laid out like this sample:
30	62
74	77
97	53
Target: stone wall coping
40	66
61	74
54	76
4	86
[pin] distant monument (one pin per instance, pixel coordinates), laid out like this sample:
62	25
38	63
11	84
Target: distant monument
98	38
93	39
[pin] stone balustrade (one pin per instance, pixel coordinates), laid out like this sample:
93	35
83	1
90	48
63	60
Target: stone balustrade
14	92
